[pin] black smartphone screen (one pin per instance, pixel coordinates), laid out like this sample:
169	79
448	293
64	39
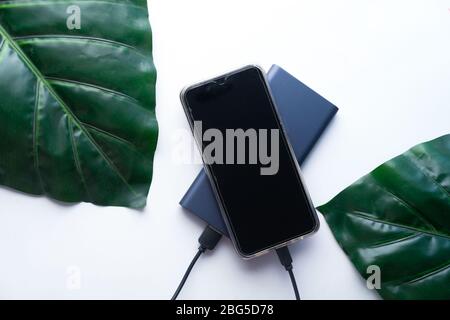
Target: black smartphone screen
253	172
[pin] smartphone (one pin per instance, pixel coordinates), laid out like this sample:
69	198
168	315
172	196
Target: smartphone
249	161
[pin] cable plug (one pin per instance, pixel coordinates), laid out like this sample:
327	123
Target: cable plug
208	241
286	260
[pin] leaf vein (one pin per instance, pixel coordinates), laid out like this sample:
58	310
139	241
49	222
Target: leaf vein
416	212
79	83
410	279
36	133
56	37
428	273
18	3
77	158
111	135
107	159
394	241
363	215
427	174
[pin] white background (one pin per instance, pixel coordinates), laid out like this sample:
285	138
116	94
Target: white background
385	64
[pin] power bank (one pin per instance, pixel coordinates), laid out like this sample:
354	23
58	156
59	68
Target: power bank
305	115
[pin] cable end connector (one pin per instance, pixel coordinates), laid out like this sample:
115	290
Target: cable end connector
286	260
209	239
285	257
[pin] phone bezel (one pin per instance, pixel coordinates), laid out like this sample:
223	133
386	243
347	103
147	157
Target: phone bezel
212	178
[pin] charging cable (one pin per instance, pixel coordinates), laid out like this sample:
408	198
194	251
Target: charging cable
208	241
286	260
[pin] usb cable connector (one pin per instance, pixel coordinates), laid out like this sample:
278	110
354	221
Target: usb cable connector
208	241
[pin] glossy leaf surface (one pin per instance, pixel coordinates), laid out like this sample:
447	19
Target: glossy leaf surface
398	218
77	100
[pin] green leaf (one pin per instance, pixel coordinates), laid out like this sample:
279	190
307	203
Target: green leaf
77	102
398	218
